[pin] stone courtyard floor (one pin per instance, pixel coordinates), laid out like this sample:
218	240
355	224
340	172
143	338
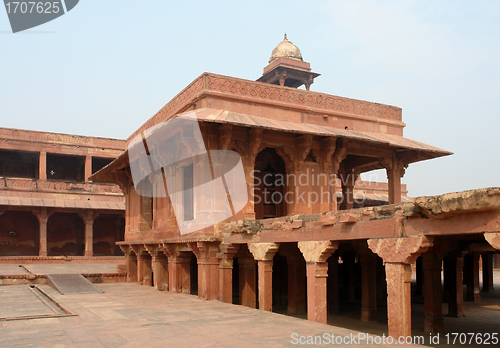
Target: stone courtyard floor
130	315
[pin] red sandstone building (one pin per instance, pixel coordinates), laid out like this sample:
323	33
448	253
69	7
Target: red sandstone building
48	207
301	256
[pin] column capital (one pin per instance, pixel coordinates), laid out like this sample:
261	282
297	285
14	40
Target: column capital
127	250
400	250
228	250
263	251
317	251
89	216
204	250
493	239
43	215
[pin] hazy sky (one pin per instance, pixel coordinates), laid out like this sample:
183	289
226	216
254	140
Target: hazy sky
107	66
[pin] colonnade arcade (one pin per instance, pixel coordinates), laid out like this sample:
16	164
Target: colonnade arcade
318	278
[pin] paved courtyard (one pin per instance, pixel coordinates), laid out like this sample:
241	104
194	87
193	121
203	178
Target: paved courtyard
128	315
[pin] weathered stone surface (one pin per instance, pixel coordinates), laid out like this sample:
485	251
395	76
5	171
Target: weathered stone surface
317	251
263	251
400	250
456	202
493	239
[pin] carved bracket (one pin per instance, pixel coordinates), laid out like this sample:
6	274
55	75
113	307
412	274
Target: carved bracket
263	251
254	141
400	250
317	251
225	135
493	239
304	143
328	146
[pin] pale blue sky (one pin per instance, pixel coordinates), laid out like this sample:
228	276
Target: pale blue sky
107	66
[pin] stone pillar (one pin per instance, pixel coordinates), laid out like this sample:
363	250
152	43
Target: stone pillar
395	171
456	291
208	269
471	269
131	261
487	272
316	253
333	285
247	282
88	219
433	316
42	166
254	141
226	272
265	274
368	286
348	181
264	253
394	181
160	271
140	268
43	218
398	254
296	284
179	268
88	167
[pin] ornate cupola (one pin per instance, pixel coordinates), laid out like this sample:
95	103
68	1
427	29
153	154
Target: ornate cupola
287	68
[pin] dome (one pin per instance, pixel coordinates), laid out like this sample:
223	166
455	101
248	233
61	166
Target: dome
285	49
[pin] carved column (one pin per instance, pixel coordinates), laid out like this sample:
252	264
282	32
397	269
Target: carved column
42	166
131	263
88	167
144	269
433	316
254	141
456	284
398	254
395	171
179	268
88	219
159	266
296	284
208	269
316	253
43	217
471	277
247	281
348	181
226	272
264	253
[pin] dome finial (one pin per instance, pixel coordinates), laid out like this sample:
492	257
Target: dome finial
285	49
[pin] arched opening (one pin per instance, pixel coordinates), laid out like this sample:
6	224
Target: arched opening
18	234
65	233
269	185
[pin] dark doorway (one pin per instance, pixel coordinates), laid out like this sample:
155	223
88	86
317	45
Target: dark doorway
270	185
